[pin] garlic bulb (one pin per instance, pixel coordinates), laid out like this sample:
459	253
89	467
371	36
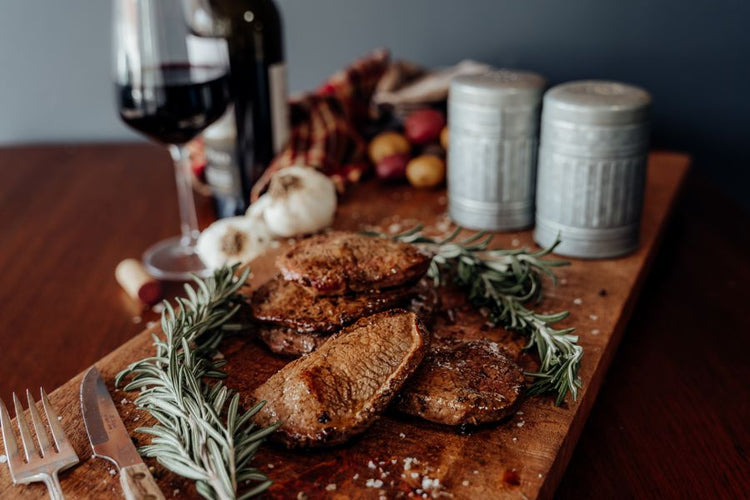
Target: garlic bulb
233	240
300	200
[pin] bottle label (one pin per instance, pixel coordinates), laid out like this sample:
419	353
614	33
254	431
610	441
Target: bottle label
279	105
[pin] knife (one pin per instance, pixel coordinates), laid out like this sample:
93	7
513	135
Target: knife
109	439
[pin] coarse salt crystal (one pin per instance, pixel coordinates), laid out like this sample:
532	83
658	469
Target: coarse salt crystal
401	435
175	492
578	301
151	324
464	483
515	242
374	483
540	476
515	439
331	487
429	484
3	459
355	477
270	466
595	331
124	401
137	319
593	317
414	475
158	308
520	424
112	472
370	464
394	461
59	418
476	472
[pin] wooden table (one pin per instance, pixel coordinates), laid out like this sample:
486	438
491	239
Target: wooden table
670	420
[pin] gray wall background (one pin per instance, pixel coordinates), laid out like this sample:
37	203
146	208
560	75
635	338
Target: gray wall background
693	55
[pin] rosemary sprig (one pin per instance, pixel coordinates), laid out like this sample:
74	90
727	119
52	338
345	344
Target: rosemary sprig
202	434
501	283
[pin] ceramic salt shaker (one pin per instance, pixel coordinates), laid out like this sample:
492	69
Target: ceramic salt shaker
592	168
493	119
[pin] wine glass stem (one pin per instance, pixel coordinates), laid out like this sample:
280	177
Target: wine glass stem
188	219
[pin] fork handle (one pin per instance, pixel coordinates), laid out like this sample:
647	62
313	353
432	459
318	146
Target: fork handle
53	487
138	484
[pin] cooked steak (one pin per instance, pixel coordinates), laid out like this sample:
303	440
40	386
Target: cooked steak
288	341
287	303
463	383
340	262
338	390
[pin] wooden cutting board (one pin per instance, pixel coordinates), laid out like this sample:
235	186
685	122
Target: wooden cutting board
523	457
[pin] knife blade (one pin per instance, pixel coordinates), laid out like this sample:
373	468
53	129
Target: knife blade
110	439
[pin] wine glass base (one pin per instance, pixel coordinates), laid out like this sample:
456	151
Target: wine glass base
172	261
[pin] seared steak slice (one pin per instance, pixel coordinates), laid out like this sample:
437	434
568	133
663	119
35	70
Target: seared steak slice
340	262
337	391
463	383
288	341
287	303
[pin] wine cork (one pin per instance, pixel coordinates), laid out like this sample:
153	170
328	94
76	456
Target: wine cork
134	279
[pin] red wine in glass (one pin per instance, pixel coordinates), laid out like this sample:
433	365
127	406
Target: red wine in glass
178	103
170	85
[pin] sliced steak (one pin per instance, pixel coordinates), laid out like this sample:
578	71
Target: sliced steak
288	341
338	390
287	303
463	383
340	262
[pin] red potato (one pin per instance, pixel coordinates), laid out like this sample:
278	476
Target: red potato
424	126
393	166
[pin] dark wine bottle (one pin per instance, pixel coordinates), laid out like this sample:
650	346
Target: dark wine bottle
258	81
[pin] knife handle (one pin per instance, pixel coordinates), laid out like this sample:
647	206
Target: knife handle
138	484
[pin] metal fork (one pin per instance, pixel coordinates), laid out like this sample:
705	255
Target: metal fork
36	467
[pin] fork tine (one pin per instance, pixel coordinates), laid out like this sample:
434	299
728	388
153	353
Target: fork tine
41	433
28	444
9	439
54	424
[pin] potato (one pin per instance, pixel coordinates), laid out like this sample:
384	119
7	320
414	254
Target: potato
393	166
424	126
387	144
444	138
425	171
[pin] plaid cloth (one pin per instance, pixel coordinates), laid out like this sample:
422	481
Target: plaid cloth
326	124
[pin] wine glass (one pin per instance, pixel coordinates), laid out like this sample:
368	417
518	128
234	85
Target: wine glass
170	85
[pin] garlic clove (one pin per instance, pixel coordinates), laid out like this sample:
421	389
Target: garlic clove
233	240
301	200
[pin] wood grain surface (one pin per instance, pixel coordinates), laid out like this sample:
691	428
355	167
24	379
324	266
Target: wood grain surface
68	214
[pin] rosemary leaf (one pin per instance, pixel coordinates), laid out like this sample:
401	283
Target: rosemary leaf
502	282
202	432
